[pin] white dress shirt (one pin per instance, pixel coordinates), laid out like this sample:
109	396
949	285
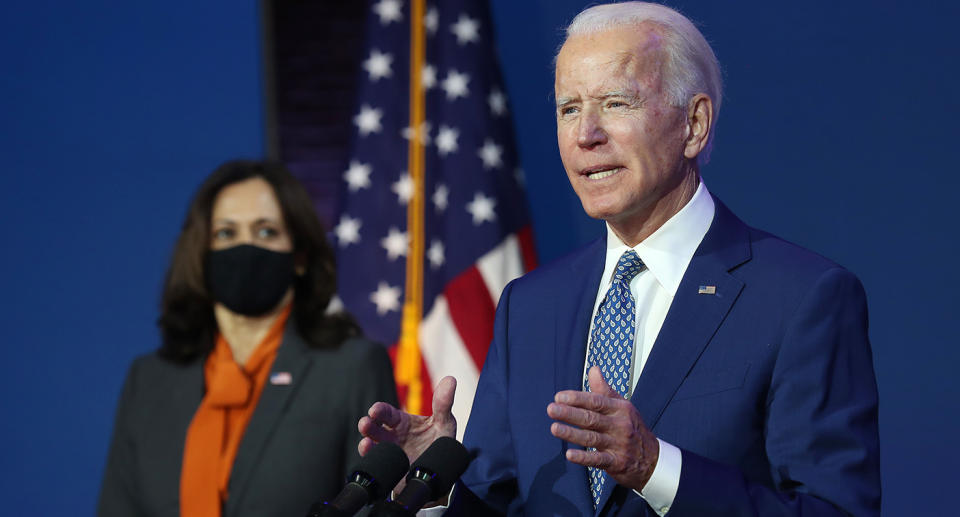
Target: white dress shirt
666	253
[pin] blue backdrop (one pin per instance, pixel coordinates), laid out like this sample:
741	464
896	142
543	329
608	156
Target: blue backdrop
836	132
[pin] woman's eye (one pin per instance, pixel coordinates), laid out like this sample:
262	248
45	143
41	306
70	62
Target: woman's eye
223	233
267	233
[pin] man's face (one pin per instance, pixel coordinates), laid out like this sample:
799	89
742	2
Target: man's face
621	142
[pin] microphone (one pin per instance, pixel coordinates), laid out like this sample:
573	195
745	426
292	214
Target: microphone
430	477
372	479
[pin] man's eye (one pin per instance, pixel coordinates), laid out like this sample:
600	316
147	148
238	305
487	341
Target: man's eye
567	110
616	104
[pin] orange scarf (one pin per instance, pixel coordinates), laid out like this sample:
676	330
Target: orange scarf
218	425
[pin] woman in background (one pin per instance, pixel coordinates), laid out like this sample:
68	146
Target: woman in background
250	406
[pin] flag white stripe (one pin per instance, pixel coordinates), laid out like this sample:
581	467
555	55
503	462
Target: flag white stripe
445	354
501	265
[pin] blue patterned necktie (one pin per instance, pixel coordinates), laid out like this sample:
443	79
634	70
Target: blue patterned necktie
611	343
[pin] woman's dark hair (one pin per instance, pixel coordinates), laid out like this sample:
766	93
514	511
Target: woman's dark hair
187	324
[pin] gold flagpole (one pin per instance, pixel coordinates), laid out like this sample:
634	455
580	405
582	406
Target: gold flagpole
408	354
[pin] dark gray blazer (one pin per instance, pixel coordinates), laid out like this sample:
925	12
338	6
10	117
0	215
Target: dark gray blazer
296	449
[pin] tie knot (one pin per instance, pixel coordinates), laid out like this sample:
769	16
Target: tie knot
628	266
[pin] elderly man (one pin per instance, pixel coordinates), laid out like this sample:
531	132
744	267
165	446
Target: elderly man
684	364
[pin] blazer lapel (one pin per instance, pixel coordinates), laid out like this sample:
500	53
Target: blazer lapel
693	318
572	319
184	389
293	359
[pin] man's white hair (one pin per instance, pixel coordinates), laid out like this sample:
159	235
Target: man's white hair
691	66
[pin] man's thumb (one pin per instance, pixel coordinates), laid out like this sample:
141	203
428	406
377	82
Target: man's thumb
443	397
599	385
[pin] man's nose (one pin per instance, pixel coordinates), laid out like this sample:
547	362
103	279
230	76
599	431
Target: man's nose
590	131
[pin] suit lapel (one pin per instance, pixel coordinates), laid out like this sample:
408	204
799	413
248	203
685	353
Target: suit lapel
184	389
693	318
573	316
291	358
572	320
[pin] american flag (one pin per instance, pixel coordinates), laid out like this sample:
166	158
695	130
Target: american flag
434	220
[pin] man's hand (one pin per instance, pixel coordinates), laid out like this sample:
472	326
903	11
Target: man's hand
604	420
414	433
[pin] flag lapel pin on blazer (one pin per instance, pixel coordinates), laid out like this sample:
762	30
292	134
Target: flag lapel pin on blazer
281	378
707	289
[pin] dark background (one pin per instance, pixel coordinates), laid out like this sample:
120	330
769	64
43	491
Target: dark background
838	131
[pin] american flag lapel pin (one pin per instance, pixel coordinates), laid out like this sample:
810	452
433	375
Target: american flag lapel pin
281	378
707	289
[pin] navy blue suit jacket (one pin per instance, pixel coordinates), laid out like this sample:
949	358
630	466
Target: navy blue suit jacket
767	387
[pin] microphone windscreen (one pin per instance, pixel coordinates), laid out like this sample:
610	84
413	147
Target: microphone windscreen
385	464
447	459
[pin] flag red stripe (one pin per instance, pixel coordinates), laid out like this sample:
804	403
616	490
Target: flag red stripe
472	312
426	401
527	249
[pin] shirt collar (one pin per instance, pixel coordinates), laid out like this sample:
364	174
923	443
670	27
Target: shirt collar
667	251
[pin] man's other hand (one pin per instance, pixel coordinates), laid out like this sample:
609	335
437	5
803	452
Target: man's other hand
414	433
604	420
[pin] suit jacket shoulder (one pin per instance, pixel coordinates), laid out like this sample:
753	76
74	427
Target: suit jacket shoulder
557	274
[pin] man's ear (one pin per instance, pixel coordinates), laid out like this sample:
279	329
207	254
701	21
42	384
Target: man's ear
699	122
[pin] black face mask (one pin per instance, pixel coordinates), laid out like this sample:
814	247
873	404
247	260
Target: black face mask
248	279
